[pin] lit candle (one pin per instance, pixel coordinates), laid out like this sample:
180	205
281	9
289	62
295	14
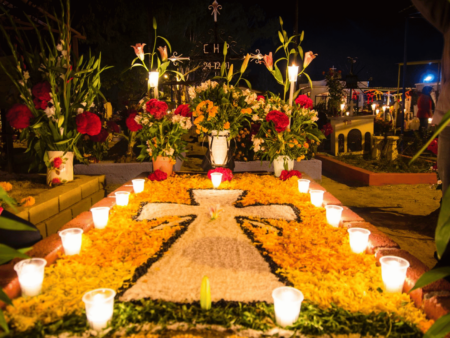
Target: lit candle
334	213
293	73
216	179
429	120
153	78
99	307
138	185
303	186
347	113
393	273
359	239
342	107
71	240
373	107
287	303
377	111
316	197
122	198
31	275
100	216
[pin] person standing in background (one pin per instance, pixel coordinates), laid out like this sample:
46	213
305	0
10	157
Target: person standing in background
424	105
437	12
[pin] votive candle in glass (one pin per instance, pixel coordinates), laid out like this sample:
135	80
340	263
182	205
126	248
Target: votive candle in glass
31	275
153	79
71	240
216	179
99	307
393	273
316	197
287	303
122	198
359	239
138	185
303	185
334	213
100	216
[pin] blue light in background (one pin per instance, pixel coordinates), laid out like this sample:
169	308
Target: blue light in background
428	78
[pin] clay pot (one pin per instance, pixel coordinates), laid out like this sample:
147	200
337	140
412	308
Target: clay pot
165	164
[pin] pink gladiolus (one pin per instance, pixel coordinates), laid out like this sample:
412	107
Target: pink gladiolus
139	50
309	56
163	52
268	61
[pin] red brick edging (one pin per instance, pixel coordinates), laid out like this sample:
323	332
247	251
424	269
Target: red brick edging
347	172
434	299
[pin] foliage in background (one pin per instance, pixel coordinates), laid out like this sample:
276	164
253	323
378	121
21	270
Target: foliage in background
335	89
69	87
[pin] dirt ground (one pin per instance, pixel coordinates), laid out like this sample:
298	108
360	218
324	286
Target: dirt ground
24	185
406	213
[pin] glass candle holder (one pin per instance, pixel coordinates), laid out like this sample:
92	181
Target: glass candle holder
138	185
71	240
216	179
359	239
100	216
316	197
334	213
393	273
153	79
122	198
303	186
31	275
287	303
293	73
99	307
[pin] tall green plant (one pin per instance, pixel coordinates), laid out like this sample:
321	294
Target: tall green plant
74	86
7	253
442	238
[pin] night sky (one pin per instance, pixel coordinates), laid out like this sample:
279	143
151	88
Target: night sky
372	32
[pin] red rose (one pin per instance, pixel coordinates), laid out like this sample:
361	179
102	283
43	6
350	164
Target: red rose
280	120
113	127
327	129
227	174
304	101
100	137
260	98
88	123
38	104
132	124
57	161
19	116
433	147
285	175
42	91
183	110
56	181
157	108
158	175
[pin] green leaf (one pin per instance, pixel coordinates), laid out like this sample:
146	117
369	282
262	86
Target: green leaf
5	198
442	235
281	37
168	43
25	250
309	79
281	22
7	253
440	328
225	48
302	36
278	76
155	26
248	83
300	50
64	141
293	51
3	323
279	47
163	67
297	93
431	276
9	224
37	125
60	121
445	121
4	297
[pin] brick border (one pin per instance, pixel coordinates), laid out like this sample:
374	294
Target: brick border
434	299
347	172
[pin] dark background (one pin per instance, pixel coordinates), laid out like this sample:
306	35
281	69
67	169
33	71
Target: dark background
371	31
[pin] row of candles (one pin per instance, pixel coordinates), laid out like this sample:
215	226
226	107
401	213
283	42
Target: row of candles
99	303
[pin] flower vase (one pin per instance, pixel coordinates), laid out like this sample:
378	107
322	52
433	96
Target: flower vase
165	164
218	147
278	164
60	169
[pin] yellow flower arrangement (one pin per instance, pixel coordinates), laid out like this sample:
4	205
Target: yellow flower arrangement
311	254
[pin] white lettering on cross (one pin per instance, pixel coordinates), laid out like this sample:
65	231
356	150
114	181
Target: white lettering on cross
218	249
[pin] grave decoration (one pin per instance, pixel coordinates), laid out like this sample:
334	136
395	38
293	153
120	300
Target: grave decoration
154	252
285	132
57	97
